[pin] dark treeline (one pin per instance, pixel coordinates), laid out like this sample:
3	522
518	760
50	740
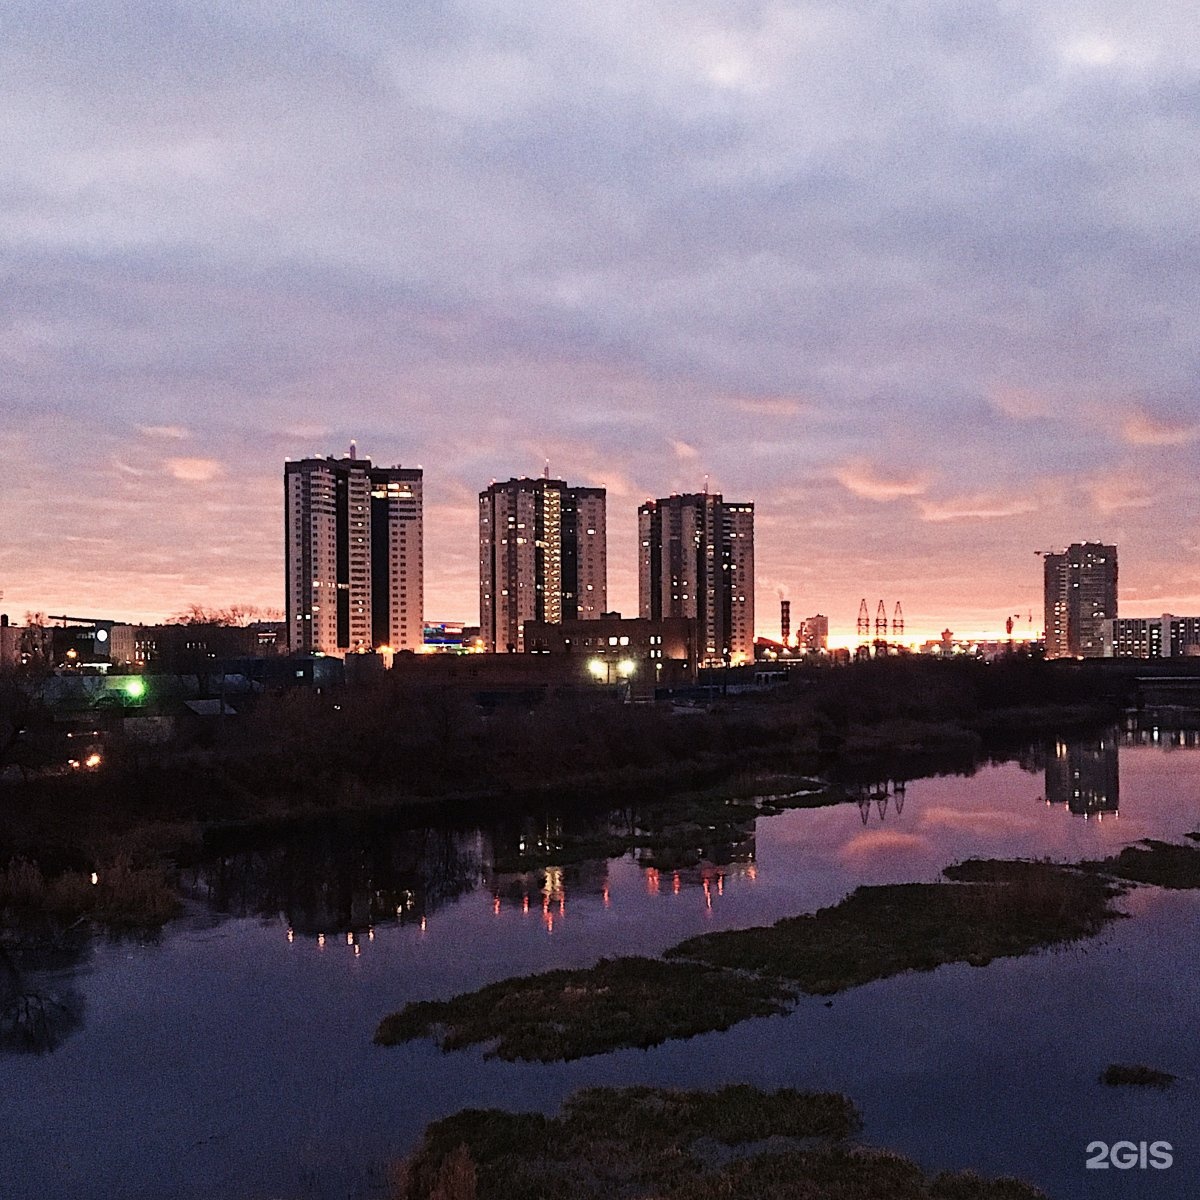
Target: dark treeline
383	745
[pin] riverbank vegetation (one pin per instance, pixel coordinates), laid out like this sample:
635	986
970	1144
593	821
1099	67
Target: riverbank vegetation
563	1015
384	747
737	1142
1135	1075
1165	864
706	983
876	932
117	896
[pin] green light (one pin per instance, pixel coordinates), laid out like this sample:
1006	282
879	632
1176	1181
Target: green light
135	689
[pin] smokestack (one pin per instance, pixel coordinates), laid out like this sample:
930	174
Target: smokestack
785	621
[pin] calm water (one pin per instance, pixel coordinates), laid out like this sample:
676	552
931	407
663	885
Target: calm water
232	1057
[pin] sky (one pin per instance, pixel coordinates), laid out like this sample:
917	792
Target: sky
922	281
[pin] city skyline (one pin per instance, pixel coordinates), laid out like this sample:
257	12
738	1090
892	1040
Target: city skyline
841	628
931	319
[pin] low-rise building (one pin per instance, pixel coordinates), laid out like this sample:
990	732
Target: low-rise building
1167	636
613	648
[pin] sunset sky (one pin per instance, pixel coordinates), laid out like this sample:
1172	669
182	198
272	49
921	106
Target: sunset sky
921	280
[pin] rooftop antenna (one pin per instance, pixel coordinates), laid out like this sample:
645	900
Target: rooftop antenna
706	485
353	450
546	470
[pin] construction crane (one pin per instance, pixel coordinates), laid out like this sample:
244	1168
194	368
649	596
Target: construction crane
897	621
864	621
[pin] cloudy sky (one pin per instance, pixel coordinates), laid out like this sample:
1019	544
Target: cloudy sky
922	280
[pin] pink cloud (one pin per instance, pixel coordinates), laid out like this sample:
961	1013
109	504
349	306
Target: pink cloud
883	841
774	406
864	479
978	507
1119	492
171	433
1142	429
193	470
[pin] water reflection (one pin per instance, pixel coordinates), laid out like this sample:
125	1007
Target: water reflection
37	1009
329	880
1084	774
333	883
876	797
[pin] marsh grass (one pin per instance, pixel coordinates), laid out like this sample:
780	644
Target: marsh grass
123	896
711	982
1166	864
567	1014
638	1143
1136	1075
877	932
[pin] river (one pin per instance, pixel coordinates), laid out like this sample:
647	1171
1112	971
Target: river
231	1057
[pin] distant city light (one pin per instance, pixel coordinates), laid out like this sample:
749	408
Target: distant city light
135	689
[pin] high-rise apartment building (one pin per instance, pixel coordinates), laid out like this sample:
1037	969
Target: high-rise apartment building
1081	599
354	555
697	561
542	557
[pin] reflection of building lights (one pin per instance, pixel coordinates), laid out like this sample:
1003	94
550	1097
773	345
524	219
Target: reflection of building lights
496	906
370	933
607	902
422	924
525	904
321	940
675	885
720	885
707	895
95	878
291	936
652	881
357	950
349	939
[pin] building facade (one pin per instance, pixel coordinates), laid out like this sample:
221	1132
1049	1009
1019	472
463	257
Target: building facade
1167	636
638	654
354	555
696	560
542	557
1080	592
